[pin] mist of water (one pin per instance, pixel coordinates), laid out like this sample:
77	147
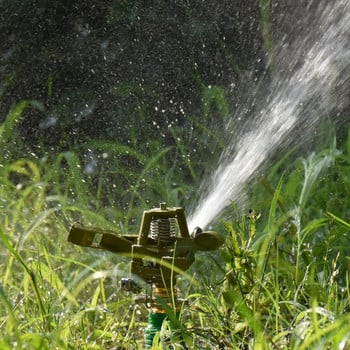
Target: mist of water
310	80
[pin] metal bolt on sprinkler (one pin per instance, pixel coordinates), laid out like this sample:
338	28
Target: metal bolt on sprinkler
161	250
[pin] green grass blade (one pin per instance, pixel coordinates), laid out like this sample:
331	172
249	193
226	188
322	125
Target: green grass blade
7	127
14	252
264	251
337	219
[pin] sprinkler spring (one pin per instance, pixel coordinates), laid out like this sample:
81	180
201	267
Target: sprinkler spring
163	230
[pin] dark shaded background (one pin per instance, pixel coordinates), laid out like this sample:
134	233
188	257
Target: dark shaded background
118	69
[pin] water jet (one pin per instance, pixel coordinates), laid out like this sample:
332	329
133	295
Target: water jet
310	81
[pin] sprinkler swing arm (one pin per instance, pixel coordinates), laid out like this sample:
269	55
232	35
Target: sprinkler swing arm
162	249
156	240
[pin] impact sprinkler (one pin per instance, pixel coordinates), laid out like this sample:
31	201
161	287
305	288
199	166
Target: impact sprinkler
162	249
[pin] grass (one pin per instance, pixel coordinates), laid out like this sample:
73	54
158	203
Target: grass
280	281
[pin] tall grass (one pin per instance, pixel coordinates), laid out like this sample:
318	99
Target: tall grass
280	281
286	283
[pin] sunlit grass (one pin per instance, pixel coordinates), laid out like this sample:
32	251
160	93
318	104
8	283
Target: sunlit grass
280	281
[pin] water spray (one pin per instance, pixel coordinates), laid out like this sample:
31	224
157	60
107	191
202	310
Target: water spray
163	249
311	80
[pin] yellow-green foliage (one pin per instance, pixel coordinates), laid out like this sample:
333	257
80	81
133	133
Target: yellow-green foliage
280	281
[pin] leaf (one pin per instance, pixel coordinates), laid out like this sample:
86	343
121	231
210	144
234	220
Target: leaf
337	219
18	257
53	279
265	248
8	126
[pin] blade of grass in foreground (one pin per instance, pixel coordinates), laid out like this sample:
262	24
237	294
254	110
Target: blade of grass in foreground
337	219
17	256
270	235
7	127
10	320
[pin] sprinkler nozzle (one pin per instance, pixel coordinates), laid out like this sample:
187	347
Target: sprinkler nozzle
197	231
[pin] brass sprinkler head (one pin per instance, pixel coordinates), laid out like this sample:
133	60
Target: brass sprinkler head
162	248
